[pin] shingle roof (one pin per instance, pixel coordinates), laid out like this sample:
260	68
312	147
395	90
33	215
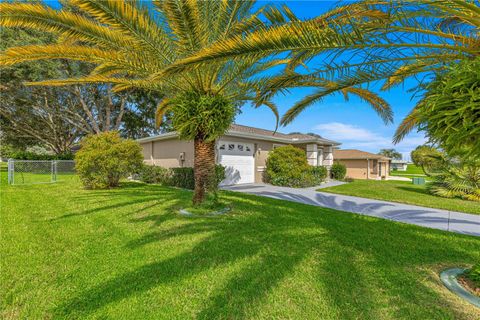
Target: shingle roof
356	154
263	132
256	133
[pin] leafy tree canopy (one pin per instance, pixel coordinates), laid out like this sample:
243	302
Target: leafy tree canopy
428	158
391	153
449	113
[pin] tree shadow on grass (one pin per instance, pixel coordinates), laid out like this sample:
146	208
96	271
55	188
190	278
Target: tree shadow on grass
129	194
413	189
360	260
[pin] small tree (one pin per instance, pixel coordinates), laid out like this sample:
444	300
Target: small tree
428	158
201	118
105	158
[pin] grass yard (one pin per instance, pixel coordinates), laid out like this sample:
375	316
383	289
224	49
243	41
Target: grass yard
404	192
412	171
69	253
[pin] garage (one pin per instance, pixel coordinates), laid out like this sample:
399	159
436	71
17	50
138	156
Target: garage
238	159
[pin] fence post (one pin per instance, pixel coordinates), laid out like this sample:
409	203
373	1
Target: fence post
54	171
10	168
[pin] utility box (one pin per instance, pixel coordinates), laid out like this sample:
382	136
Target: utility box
418	180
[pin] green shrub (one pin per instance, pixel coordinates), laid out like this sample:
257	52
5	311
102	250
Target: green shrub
105	158
474	274
154	174
219	176
319	174
183	178
338	171
457	180
288	166
28	155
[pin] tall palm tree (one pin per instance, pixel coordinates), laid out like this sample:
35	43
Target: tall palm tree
131	44
358	44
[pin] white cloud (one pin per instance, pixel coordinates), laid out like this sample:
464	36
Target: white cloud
342	131
355	137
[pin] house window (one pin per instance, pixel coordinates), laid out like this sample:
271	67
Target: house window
231	147
240	147
247	148
222	147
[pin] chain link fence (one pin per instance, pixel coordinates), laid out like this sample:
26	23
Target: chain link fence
39	171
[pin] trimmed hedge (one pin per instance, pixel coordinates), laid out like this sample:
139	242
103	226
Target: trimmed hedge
154	174
338	171
287	166
182	177
27	155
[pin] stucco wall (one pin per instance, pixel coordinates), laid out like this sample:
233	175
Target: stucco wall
356	168
166	153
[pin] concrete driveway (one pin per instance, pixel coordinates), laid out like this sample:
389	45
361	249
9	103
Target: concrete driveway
426	217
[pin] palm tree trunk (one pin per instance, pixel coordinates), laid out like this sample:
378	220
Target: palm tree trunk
203	166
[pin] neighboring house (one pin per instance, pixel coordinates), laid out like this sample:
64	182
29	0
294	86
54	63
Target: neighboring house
400	165
363	165
242	150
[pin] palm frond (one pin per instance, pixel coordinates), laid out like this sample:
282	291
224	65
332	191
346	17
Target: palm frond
129	18
406	126
120	84
162	108
67	24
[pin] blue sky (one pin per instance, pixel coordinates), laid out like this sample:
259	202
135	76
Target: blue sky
352	123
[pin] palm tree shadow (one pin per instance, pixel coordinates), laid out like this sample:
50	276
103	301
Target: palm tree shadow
274	242
413	189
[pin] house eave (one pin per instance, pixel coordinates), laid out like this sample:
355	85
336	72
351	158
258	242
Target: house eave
231	133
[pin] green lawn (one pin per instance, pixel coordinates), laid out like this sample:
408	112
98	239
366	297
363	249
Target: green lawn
20	178
404	192
412	171
69	253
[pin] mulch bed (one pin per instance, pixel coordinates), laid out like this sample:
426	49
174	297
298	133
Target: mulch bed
469	285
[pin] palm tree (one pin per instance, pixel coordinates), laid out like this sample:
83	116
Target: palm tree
130	44
391	153
356	45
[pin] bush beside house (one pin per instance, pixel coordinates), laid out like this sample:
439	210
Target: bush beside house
177	177
105	158
287	166
338	171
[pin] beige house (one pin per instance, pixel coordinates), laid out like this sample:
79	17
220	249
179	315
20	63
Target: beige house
363	165
242	150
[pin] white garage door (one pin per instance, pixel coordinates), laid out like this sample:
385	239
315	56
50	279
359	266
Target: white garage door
238	160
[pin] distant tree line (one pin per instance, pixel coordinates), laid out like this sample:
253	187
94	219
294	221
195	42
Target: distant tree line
56	118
